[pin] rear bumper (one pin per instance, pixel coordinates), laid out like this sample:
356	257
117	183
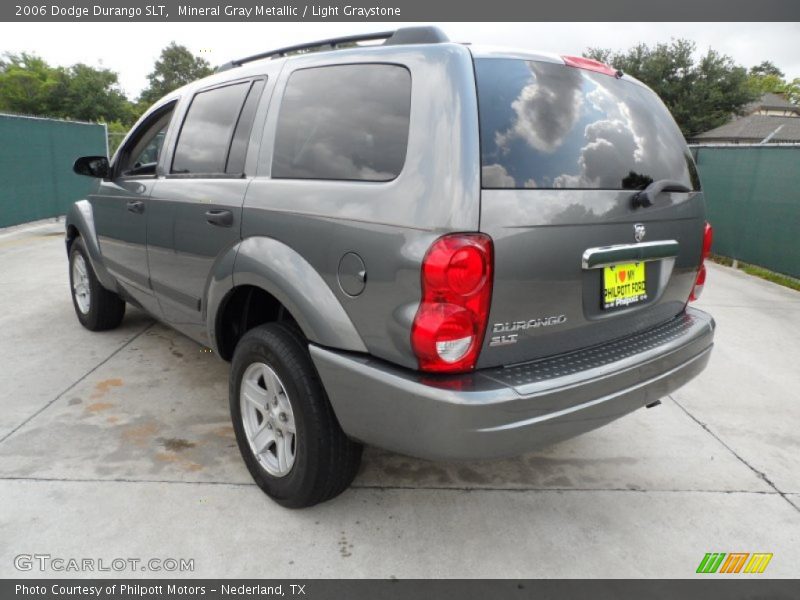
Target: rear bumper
508	411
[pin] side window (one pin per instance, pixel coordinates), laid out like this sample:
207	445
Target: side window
345	122
141	153
241	136
207	131
152	151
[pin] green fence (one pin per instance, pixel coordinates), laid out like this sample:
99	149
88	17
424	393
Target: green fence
36	156
753	200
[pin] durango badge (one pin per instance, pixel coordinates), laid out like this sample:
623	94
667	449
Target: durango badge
508	328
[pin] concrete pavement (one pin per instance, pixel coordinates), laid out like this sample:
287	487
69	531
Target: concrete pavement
119	444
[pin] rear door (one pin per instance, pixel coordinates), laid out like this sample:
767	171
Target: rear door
563	152
195	209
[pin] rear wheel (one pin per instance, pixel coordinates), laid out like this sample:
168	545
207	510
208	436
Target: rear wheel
97	308
287	433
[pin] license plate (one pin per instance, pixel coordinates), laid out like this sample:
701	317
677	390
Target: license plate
623	285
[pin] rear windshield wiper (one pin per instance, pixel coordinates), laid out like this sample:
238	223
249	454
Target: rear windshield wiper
647	196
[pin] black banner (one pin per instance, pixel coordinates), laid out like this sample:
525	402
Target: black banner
478	589
400	10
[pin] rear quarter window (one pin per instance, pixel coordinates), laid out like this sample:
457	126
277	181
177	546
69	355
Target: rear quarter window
344	122
546	125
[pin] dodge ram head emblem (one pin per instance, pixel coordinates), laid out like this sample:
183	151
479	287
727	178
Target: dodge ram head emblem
639	232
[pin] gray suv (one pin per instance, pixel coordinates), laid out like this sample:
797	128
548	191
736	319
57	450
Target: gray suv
448	251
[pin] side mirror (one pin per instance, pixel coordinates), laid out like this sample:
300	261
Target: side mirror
92	166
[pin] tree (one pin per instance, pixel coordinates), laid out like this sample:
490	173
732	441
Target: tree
792	91
766	68
91	94
701	94
176	67
766	77
27	84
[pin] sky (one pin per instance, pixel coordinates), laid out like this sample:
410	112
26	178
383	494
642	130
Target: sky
130	49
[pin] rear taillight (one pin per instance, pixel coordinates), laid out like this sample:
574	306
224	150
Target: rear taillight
451	320
580	62
708	238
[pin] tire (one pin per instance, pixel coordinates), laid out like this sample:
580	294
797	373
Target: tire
97	308
320	461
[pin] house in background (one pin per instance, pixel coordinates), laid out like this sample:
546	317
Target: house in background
771	119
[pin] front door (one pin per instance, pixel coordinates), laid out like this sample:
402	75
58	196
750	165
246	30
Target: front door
120	208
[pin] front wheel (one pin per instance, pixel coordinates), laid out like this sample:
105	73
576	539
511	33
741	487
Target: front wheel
97	308
285	427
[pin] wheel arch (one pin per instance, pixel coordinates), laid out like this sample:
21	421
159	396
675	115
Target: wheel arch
243	308
79	222
264	280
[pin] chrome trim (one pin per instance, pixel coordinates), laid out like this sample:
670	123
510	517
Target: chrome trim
605	256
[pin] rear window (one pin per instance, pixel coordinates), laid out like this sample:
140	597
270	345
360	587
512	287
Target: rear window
545	125
347	122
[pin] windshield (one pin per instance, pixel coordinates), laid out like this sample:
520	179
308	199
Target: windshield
546	125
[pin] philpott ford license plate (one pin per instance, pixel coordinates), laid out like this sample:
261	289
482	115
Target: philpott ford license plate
624	285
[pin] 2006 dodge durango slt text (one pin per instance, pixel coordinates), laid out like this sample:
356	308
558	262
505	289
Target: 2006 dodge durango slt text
445	251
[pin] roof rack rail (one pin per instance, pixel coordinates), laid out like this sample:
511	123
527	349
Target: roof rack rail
402	36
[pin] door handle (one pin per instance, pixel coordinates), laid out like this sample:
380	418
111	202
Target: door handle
220	218
135	206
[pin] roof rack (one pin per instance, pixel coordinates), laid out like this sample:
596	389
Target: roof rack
402	36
